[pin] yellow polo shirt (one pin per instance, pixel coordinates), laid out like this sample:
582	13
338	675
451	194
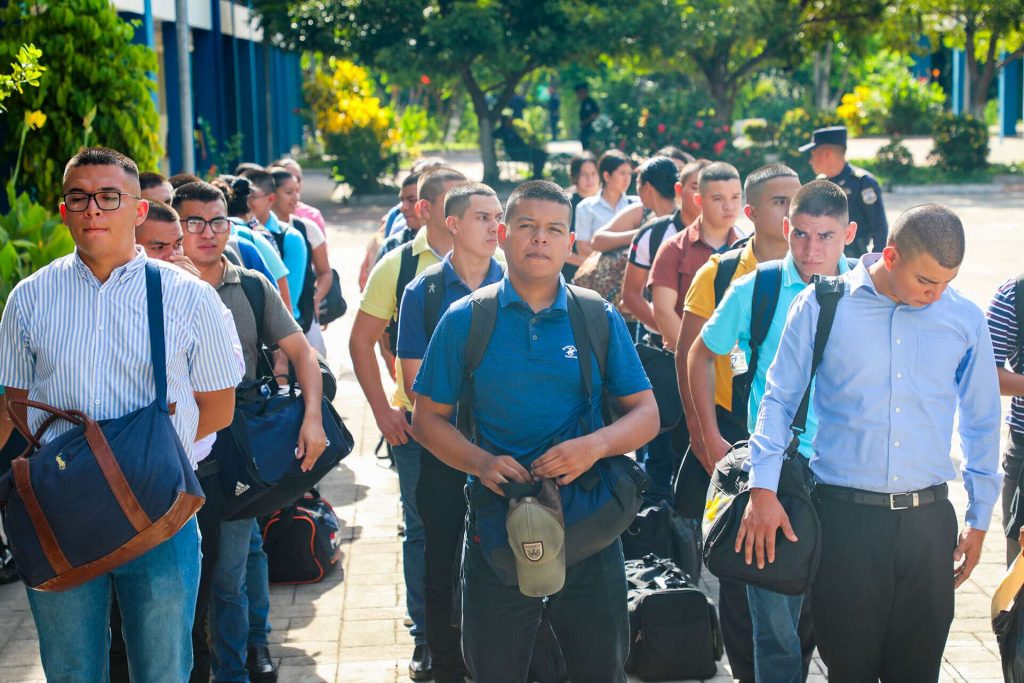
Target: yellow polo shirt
700	300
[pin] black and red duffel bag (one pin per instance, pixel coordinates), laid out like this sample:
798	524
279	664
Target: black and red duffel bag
103	493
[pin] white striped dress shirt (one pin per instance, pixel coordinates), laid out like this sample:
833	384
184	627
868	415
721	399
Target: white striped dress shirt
75	343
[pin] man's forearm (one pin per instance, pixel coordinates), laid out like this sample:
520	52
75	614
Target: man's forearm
307	372
439	436
367	372
668	325
700	374
640	308
1010	383
631	431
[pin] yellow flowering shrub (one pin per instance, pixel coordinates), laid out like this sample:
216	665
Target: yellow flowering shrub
355	127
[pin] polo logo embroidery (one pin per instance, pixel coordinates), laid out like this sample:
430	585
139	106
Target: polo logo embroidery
570	351
533	551
241	488
431	288
869	195
61	464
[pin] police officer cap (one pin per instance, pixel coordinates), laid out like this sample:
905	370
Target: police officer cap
833	135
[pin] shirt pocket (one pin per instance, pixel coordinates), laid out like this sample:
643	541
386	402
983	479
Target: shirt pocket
938	358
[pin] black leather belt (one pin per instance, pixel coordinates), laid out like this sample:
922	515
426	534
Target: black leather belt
893	501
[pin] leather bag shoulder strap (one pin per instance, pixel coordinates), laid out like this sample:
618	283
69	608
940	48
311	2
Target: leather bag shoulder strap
155	313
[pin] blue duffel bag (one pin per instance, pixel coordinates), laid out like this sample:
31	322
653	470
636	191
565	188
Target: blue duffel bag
258	471
103	493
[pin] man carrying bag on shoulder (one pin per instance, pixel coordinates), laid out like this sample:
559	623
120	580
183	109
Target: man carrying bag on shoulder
906	351
535	421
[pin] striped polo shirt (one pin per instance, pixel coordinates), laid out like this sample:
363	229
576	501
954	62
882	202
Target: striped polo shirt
75	343
1002	325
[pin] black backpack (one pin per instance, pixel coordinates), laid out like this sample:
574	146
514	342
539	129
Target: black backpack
674	632
305	295
659	531
406	274
302	541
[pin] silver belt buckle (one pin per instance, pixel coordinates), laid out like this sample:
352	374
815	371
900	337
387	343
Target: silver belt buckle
915	501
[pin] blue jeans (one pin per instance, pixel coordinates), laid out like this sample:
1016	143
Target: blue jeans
407	461
659	463
229	604
588	617
257	589
777	650
157	596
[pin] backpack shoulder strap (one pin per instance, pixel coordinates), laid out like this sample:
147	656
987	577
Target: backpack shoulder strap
433	297
483	316
767	285
254	294
658	231
406	273
727	265
590	328
828	291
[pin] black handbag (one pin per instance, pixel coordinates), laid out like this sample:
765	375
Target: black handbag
258	471
729	494
333	305
660	366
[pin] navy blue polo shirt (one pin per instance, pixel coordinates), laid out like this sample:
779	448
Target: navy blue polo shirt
528	393
412	327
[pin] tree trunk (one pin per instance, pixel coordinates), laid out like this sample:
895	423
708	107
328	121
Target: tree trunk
823	77
487	152
723	94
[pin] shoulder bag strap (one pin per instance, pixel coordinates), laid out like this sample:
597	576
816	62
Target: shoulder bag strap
828	291
155	313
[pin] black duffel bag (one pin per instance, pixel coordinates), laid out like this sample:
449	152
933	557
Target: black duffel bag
258	471
674	632
729	494
660	366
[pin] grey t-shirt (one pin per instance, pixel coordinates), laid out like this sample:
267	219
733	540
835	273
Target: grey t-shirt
277	321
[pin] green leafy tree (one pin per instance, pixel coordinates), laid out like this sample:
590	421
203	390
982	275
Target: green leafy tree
25	70
96	91
984	29
489	46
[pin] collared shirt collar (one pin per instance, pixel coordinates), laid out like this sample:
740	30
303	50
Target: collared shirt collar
507	295
273	224
118	274
231	276
420	244
860	277
623	202
791	276
494	272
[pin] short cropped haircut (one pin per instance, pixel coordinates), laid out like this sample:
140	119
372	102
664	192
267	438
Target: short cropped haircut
717	172
261	180
158	211
577	162
757	179
149	179
411	179
541	190
180	179
660	173
933	229
821	198
102	156
280	175
458	198
425	163
432	181
691	169
610	162
197	192
247	166
673	152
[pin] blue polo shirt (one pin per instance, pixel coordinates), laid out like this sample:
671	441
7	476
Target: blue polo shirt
528	393
730	324
412	326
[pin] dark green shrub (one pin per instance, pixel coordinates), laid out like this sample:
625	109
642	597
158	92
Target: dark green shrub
961	144
796	129
894	161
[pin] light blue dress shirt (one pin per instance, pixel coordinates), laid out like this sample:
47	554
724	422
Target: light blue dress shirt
885	394
730	323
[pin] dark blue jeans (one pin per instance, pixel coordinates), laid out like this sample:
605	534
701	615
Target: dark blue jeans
660	465
588	616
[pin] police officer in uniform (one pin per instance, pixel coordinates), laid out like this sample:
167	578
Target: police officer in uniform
828	159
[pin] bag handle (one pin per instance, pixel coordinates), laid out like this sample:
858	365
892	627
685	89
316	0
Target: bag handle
828	291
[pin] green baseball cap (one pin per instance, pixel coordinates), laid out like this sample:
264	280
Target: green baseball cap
536	533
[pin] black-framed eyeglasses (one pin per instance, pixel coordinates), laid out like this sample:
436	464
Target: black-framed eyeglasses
106	201
197	226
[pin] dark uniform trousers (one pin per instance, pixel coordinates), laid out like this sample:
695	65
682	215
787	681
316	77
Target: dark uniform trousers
1013	462
883	596
441	503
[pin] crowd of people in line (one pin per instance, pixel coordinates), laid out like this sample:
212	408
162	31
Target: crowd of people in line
483	317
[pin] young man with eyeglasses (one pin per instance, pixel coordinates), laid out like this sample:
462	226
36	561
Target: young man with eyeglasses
203	212
88	349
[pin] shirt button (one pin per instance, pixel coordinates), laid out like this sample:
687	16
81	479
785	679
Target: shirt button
899	375
533	321
100	327
895	478
97	401
899	341
534	337
899	410
896	444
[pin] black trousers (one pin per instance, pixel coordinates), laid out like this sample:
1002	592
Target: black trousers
883	597
208	518
1013	462
441	502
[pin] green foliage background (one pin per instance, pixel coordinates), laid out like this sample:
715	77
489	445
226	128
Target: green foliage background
92	65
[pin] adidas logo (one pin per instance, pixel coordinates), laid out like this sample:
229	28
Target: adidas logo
241	488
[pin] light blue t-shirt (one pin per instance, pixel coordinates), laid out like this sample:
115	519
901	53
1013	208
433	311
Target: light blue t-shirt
294	255
267	250
731	323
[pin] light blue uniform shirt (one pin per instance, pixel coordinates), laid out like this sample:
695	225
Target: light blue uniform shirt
731	323
267	250
87	347
295	251
889	383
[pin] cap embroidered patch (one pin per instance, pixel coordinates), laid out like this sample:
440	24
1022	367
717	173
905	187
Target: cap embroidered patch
533	551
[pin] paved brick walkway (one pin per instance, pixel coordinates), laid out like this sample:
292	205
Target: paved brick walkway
349	627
